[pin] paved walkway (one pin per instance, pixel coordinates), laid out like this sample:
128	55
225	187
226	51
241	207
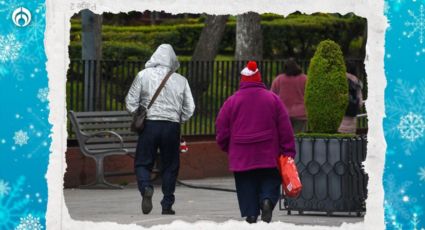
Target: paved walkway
123	206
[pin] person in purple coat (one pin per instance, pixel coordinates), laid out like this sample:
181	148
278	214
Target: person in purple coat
254	128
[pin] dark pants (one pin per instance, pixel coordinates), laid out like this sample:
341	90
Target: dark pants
298	126
254	186
165	136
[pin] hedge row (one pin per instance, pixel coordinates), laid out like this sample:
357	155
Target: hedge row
293	36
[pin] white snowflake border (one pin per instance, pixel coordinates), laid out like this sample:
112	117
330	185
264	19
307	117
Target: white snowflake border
4	188
9	48
42	94
21	138
13	204
421	173
406	115
29	223
411	126
417	24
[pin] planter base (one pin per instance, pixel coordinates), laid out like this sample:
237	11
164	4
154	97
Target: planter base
332	175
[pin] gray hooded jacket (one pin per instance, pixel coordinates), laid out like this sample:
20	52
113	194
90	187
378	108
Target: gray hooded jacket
175	102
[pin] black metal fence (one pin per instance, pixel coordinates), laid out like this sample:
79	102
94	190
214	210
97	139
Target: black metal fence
94	85
332	174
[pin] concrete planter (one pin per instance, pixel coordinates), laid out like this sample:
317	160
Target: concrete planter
332	175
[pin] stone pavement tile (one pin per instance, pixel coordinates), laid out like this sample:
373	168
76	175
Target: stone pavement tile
123	206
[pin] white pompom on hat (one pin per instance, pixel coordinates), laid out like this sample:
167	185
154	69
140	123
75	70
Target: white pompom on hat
250	69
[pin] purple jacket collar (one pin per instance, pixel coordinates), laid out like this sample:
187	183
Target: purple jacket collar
245	85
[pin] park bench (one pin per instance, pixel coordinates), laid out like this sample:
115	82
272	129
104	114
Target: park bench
101	134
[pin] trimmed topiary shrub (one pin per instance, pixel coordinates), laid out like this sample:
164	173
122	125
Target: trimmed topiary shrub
326	93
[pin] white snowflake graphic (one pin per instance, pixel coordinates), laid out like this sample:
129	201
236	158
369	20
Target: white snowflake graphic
417	25
39	130
391	217
415	221
21	138
29	223
411	126
405	121
9	48
421	173
394	193
13	205
42	94
4	188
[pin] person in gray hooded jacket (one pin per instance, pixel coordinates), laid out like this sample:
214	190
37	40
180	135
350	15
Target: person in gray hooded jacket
173	106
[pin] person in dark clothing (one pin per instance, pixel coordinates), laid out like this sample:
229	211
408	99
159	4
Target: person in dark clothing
173	106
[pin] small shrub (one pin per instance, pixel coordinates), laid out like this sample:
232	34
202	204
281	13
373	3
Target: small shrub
326	95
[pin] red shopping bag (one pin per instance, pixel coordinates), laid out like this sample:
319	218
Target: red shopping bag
291	183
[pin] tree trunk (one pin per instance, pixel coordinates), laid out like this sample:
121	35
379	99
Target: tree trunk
249	37
209	41
92	54
200	75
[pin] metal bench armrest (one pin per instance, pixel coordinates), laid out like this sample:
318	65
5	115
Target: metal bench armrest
102	133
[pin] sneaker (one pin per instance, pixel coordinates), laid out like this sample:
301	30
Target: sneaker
251	219
266	210
147	200
168	211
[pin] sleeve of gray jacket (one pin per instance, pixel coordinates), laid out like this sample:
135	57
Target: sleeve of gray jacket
188	106
133	96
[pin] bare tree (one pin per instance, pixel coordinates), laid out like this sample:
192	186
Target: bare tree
249	37
91	50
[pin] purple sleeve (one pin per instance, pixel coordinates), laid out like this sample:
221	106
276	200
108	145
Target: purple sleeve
286	134
223	127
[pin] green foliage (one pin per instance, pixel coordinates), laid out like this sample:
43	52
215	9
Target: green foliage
116	51
296	35
355	47
270	17
129	51
327	89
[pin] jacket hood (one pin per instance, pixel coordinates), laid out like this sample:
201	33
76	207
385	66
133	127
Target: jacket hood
164	56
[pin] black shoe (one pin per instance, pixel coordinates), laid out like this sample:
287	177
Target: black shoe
168	211
147	200
266	210
251	219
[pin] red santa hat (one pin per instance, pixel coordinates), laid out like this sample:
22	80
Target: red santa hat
250	72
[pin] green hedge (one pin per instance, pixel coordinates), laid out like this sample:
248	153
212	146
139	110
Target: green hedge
326	93
294	36
116	51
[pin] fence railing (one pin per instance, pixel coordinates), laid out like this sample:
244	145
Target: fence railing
101	85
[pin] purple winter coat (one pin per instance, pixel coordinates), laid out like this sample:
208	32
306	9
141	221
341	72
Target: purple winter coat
253	127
